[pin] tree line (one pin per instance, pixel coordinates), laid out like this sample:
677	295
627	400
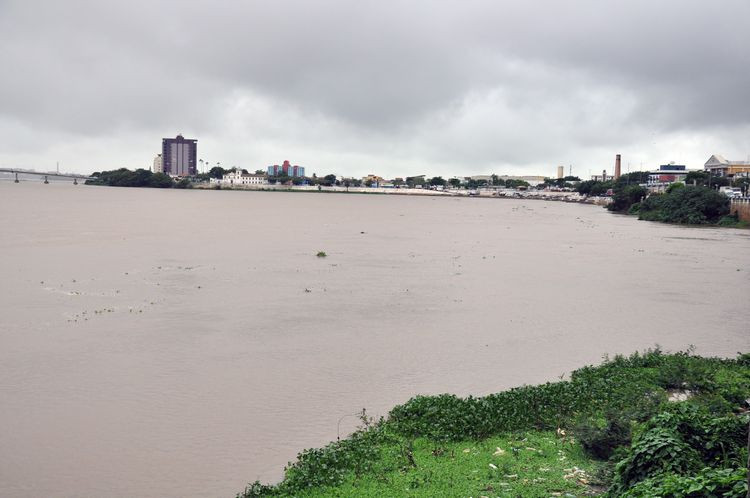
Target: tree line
124	177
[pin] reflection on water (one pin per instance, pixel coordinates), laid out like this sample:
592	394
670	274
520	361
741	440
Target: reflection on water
183	343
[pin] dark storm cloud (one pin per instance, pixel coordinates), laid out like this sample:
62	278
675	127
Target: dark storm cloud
443	83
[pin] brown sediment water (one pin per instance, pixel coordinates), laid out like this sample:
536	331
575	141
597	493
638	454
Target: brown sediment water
182	343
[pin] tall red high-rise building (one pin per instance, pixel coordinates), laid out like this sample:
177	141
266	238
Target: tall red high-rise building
287	169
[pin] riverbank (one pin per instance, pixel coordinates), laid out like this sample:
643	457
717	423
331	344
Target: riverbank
481	193
651	424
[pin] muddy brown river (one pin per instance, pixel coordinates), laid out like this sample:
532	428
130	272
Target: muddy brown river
160	343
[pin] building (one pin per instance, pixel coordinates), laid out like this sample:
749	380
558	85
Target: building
158	165
560	171
604	177
179	156
287	169
667	173
238	177
718	166
373	180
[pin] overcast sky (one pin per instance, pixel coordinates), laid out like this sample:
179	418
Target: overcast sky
394	88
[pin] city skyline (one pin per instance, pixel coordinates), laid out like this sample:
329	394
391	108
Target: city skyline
450	89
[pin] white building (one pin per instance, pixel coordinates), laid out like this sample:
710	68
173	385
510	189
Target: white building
239	178
158	164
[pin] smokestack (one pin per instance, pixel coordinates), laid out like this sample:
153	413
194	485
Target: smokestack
604	175
617	166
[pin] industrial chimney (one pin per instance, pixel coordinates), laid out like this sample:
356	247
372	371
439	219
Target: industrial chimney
617	166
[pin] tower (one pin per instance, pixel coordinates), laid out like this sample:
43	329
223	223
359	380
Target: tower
617	166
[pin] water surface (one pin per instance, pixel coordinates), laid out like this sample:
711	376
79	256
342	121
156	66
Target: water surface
182	343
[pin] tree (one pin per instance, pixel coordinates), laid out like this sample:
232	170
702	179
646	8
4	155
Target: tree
415	180
282	177
704	178
184	183
217	172
160	180
511	183
437	181
690	205
455	182
472	184
626	197
635	177
742	183
259	172
329	180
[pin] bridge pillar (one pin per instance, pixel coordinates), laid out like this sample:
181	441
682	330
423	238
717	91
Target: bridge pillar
45	179
16	180
75	181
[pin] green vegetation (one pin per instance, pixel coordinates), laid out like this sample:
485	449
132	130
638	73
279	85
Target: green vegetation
321	254
688	204
570	182
681	203
705	179
215	172
608	427
624	198
123	177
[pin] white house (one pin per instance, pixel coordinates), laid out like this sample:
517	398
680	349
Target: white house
239	178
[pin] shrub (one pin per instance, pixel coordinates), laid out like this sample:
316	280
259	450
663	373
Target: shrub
656	452
635	208
730	483
625	197
729	220
600	440
184	183
690	205
680	439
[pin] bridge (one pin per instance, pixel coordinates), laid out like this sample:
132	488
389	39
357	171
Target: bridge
46	176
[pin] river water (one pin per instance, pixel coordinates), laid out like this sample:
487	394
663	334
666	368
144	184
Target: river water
183	343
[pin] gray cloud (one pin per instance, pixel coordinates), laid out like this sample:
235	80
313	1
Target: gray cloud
389	87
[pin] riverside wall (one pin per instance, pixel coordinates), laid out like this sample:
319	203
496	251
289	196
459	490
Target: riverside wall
742	208
480	192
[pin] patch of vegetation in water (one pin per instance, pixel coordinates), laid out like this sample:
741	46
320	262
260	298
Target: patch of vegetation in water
610	427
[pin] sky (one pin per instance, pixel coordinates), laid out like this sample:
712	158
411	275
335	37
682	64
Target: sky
394	88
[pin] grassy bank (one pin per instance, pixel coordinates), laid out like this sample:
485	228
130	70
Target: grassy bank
611	429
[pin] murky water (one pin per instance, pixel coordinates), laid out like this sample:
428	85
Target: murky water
183	343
